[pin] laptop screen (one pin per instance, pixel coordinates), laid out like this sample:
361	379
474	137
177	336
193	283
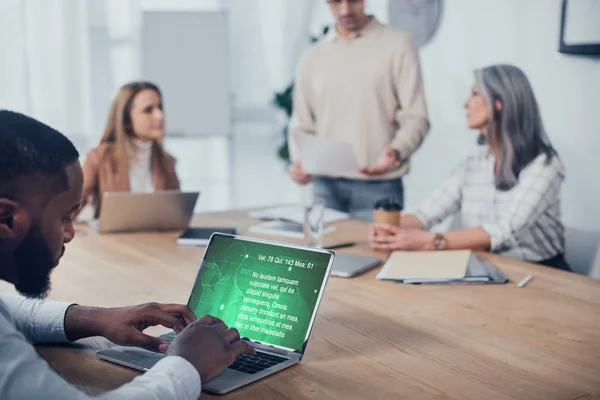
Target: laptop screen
268	292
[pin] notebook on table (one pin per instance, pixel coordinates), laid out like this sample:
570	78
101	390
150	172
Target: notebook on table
452	266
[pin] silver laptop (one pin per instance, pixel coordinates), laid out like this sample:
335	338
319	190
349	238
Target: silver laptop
349	265
131	212
269	291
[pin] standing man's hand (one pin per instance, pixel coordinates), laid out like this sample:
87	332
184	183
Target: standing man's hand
209	346
388	159
298	174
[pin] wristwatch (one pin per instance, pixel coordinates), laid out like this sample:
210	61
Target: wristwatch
440	242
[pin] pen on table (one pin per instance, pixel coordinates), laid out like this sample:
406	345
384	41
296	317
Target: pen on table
524	281
339	246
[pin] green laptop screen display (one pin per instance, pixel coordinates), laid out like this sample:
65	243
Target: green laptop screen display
268	292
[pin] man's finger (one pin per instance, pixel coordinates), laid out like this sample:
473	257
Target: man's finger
181	311
301	169
220	327
303	179
307	179
241	347
210	320
148	342
366	171
158	316
296	169
378	169
232	335
373	172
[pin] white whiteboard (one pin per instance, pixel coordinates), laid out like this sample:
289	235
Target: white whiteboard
187	55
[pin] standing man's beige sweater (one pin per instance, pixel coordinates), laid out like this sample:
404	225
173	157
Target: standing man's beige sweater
366	89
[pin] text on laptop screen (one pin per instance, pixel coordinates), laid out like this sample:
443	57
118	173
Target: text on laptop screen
268	292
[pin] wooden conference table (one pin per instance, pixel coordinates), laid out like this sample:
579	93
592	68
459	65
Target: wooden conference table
372	339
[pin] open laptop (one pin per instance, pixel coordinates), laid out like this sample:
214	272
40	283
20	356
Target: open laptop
350	265
155	211
269	291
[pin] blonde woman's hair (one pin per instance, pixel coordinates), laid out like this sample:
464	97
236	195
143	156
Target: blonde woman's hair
119	132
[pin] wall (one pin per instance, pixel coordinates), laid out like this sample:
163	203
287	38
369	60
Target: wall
267	38
524	33
115	46
44	62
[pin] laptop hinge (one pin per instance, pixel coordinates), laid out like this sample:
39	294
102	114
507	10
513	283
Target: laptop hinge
271	349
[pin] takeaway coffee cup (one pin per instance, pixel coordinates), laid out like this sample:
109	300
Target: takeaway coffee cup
387	211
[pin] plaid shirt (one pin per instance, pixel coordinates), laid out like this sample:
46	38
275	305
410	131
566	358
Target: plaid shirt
523	222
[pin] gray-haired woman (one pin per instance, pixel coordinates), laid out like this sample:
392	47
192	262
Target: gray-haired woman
508	192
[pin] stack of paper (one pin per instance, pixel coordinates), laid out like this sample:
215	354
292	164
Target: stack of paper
295	214
425	265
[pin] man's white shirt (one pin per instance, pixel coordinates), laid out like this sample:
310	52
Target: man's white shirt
25	375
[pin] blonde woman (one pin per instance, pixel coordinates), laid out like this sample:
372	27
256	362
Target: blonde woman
508	192
130	156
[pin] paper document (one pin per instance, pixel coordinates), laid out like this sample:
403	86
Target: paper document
284	228
324	156
295	214
424	265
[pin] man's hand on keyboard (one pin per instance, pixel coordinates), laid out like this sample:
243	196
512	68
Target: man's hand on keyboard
209	346
125	325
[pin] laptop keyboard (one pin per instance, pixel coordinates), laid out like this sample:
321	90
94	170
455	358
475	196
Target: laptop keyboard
244	363
169	337
256	363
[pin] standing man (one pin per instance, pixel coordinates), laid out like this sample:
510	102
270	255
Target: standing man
361	84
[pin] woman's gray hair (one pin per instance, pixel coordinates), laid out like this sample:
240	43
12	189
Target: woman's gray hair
517	127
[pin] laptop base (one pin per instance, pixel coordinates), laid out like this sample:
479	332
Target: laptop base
227	381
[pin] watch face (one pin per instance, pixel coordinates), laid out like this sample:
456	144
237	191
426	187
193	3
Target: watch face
439	242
